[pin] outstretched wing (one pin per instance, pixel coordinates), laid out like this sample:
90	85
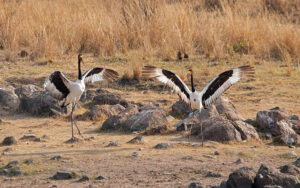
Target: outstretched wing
57	85
223	82
170	79
98	74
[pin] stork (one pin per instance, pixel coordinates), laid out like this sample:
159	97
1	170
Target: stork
204	98
62	89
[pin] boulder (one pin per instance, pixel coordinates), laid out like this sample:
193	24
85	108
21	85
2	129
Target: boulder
149	117
241	178
247	131
217	129
35	101
109	98
89	94
8	98
64	175
295	125
270	176
290	169
181	109
226	108
10	140
104	111
115	122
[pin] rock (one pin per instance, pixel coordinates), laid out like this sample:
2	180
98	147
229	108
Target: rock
100	178
242	177
84	178
137	140
217	129
290	169
276	121
297	162
23	53
112	143
295	125
11	169
148	118
10	140
7	149
247	131
223	184
270	176
181	109
12	164
187	158
213	175
35	101
9	99
163	145
216	153
251	121
56	158
64	175
103	111
109	98
196	185
28	161
115	122
225	107
289	139
294	117
88	95
31	138
73	140
135	154
239	161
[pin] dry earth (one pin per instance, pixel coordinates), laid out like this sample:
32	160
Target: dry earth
275	85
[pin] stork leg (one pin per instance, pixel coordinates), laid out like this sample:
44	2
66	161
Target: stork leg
75	122
71	117
201	132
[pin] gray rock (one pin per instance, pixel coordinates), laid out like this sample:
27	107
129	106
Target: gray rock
295	125
241	178
7	149
288	139
239	161
137	140
9	99
213	175
147	118
56	158
290	169
12	164
100	178
226	108
28	161
10	140
223	184
247	131
216	153
31	138
112	143
181	109
270	176
115	122
64	175
187	158
84	178
294	117
163	145
135	154
105	111
196	185
297	162
109	98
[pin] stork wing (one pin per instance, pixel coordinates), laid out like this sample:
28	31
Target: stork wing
170	79
223	82
57	85
99	74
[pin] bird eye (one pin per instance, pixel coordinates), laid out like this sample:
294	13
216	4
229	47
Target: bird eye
194	100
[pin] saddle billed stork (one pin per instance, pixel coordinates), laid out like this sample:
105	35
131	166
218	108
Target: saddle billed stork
204	98
62	89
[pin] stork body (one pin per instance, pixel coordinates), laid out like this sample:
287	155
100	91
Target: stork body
62	89
210	93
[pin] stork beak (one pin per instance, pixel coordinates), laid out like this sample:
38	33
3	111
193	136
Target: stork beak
82	61
187	76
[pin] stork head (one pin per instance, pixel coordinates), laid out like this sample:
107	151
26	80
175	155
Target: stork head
80	60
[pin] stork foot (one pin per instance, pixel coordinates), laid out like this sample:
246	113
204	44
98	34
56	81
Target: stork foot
73	140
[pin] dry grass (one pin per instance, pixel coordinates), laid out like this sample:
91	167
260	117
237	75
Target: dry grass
218	29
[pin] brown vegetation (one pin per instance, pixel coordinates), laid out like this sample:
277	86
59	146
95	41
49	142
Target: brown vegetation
218	29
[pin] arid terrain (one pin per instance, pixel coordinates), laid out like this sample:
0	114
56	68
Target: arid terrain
39	37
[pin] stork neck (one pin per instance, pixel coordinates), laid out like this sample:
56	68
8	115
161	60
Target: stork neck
192	83
79	71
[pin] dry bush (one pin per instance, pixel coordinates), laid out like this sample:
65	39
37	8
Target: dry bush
158	28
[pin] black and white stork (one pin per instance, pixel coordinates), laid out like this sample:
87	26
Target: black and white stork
62	89
204	98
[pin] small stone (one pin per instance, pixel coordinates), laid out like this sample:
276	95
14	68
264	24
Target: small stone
64	175
28	161
45	136
112	143
100	178
7	149
193	179
73	140
163	145
57	157
216	153
135	154
31	138
187	158
84	178
239	161
213	175
10	140
137	140
23	53
140	149
12	163
195	185
54	186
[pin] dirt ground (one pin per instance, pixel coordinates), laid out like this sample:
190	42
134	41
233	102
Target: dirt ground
173	167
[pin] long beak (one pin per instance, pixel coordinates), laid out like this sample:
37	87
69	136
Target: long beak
186	77
82	62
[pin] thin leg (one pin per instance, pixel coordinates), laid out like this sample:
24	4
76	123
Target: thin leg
71	115
75	122
201	133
